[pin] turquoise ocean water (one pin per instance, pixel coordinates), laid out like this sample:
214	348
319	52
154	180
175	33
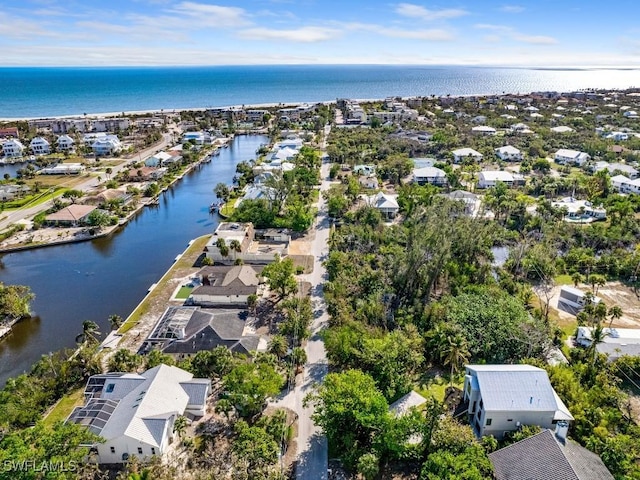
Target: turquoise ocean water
41	92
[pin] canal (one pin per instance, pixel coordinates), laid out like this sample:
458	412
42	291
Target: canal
111	275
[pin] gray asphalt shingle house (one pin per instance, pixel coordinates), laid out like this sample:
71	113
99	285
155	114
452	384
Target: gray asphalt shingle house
503	397
546	457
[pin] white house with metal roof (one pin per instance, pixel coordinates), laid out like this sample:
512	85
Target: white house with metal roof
135	413
65	143
501	398
489	178
432	175
12	148
461	154
509	153
565	155
385	203
40	146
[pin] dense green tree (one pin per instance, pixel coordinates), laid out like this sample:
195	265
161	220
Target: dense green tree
351	411
249	384
124	361
256	448
280	276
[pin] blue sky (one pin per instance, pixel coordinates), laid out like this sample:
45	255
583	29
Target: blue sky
170	32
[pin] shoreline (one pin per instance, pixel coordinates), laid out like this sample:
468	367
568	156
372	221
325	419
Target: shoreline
284	104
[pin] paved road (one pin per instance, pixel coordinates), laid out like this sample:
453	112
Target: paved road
10	218
312	460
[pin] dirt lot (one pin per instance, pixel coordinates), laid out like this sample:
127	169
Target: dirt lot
613	293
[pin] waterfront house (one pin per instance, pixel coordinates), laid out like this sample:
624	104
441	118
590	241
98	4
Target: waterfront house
575	157
462	154
135	413
616	343
184	331
509	153
573	300
226	285
252	249
548	455
489	178
63	169
432	175
119	195
198	138
160	159
108	145
72	216
501	398
12	148
40	146
146	174
65	143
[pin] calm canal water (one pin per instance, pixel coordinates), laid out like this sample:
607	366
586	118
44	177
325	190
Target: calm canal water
92	280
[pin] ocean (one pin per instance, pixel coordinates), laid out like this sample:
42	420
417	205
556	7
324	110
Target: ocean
27	92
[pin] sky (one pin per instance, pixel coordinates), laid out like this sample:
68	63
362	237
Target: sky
168	32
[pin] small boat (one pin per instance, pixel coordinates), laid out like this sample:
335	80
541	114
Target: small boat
213	207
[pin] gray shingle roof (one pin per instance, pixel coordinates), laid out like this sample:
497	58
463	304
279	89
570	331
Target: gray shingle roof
543	457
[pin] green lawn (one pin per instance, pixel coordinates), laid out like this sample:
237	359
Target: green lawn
64	407
184	293
436	386
563	280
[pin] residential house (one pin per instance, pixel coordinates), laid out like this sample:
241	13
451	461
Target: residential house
581	211
462	154
369	182
432	175
616	168
386	204
252	249
548	455
509	153
630	114
565	155
90	138
404	404
110	124
616	343
489	178
158	160
146	174
108	145
40	146
119	195
472	202
484	130
198	138
9	132
501	398
364	170
226	285
12	148
135	413
65	143
11	192
625	185
71	216
562	129
184	331
63	169
573	299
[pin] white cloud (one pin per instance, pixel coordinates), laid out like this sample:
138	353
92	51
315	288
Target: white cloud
431	34
512	9
417	11
513	34
223	16
302	34
12	26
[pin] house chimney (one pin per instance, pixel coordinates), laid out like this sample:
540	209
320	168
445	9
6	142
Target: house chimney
562	430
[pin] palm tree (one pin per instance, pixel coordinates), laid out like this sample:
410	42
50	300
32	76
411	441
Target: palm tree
597	337
115	321
298	357
90	332
577	278
615	313
235	245
278	346
180	425
455	353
